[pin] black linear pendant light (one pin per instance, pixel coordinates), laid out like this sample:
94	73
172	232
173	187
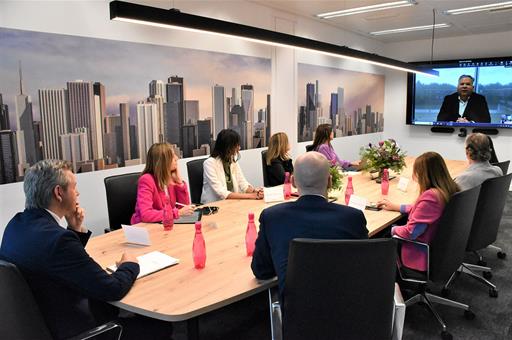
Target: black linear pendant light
172	18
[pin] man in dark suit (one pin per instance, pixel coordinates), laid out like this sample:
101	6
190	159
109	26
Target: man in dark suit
66	282
311	216
464	106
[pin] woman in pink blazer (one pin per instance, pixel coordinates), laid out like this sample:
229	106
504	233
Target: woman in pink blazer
436	188
160	183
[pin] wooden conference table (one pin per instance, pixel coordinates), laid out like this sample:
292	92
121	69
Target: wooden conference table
182	292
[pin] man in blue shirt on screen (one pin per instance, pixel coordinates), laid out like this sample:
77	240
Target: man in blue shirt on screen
464	106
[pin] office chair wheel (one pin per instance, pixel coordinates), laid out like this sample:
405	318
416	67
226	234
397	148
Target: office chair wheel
501	255
482	263
487	275
469	315
446	336
493	293
445	292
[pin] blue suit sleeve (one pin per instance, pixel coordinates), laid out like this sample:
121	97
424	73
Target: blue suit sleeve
71	264
262	265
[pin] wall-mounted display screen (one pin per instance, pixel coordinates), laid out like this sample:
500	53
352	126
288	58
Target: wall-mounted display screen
467	92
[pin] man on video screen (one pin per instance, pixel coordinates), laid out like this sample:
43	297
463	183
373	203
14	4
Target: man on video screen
464	106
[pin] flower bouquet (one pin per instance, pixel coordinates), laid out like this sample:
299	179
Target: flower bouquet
384	155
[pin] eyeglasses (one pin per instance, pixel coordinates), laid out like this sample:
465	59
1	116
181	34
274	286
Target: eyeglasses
209	210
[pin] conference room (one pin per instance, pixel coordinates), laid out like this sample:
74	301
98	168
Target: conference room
86	82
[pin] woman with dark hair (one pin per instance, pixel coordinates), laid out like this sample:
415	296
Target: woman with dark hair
160	184
494	158
223	177
278	160
478	153
322	143
436	187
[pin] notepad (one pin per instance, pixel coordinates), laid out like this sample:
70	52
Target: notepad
136	235
150	263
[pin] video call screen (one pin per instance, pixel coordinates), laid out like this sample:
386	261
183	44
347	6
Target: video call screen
492	79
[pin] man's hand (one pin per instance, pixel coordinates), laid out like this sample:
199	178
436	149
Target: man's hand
76	218
462	120
127	257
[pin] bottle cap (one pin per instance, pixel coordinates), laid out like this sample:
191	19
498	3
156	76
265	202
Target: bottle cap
251	216
198	225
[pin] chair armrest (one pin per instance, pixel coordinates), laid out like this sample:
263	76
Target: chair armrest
404	240
99	330
107	230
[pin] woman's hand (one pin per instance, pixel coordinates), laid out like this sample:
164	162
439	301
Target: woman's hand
187	210
176	177
387	205
259	193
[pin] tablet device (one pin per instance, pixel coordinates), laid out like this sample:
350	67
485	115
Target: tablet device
190	219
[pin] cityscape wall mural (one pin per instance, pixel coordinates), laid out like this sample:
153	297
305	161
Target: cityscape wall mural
352	102
101	104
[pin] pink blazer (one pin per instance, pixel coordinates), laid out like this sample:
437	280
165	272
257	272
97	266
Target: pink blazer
426	211
150	199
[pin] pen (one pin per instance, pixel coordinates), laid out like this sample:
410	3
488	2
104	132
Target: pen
183	205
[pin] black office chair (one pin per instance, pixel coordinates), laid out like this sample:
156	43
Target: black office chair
195	179
503	166
445	255
21	317
484	231
264	168
339	289
121	198
309	147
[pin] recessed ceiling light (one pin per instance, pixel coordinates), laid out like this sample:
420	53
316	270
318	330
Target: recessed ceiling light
365	9
410	29
482	8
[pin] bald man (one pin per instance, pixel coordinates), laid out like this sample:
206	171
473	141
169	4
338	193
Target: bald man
311	216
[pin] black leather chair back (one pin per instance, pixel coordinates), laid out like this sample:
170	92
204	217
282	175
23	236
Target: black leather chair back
309	147
195	179
448	247
121	198
489	210
503	165
339	289
21	317
264	168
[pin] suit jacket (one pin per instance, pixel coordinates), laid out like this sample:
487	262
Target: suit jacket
277	169
476	109
151	199
214	180
62	276
310	216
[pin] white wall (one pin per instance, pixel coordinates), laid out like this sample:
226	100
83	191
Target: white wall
419	139
91	19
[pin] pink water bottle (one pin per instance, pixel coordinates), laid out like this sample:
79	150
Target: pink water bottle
250	235
384	182
349	190
167	218
287	188
199	248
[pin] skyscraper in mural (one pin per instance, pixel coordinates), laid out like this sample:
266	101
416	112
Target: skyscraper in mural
24	122
175	116
8	157
219	109
83	114
54	111
247	100
4	115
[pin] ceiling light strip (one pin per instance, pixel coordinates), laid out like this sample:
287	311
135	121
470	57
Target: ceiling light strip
124	11
365	9
410	29
482	8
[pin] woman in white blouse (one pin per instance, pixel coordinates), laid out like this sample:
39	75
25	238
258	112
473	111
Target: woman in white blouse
223	177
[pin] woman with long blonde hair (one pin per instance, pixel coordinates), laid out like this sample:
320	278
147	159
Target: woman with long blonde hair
160	184
436	187
278	160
